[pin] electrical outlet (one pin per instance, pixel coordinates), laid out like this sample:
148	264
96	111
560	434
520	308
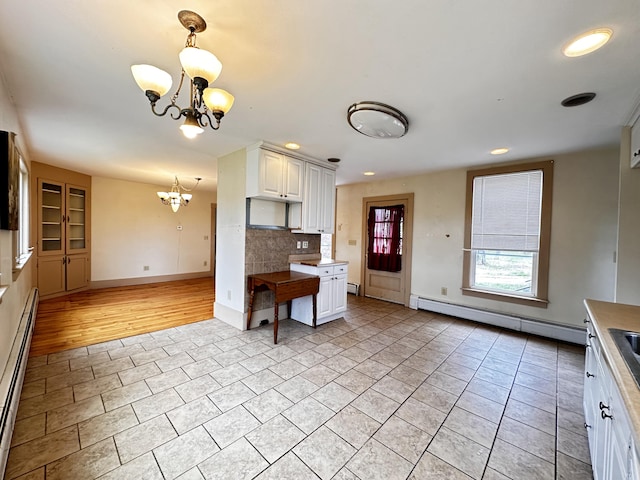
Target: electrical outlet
443	290
206	237
305	244
145	268
298	244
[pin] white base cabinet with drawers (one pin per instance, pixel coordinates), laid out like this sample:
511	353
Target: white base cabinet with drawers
613	453
331	299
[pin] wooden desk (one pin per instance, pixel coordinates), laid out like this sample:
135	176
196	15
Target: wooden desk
286	285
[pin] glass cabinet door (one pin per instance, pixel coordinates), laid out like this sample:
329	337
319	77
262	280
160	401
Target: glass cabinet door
51	217
76	219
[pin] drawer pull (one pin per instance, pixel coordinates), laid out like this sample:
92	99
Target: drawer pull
604	415
590	375
591	336
587	426
586	321
603	406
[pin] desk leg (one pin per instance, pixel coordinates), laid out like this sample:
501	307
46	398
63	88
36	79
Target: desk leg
314	310
275	323
250	308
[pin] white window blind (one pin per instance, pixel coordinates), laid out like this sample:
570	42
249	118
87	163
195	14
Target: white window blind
506	212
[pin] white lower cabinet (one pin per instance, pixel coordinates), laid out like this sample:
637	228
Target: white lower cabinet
613	454
331	301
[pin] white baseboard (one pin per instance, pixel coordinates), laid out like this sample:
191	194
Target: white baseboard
13	376
566	333
126	282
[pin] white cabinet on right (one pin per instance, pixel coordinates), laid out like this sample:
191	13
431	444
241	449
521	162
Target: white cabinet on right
613	454
319	199
332	296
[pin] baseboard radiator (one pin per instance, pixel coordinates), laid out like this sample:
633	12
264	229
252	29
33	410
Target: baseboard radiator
13	376
566	333
353	288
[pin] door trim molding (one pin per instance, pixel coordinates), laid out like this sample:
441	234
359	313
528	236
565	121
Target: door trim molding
407	235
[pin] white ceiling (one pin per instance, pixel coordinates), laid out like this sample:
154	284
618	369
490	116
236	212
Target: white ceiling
470	76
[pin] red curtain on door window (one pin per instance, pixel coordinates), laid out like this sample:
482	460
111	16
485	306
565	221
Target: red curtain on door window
385	238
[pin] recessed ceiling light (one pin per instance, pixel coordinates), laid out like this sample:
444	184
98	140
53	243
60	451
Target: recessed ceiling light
499	151
369	174
292	146
587	42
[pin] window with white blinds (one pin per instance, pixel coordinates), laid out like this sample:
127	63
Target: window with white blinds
506	212
507	233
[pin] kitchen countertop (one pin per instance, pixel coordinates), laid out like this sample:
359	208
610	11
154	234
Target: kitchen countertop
321	262
607	315
314	260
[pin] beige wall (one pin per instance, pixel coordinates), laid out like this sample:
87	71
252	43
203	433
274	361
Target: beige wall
15	297
628	275
583	236
131	228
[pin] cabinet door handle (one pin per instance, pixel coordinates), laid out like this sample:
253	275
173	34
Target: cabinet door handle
636	153
603	406
587	426
68	260
591	336
590	375
604	415
586	321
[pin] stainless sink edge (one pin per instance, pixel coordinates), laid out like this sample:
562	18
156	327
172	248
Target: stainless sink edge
630	358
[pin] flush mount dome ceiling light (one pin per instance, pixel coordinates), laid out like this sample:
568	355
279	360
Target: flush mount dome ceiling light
377	120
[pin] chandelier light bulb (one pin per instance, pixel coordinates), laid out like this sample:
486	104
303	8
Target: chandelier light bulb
217	99
150	78
190	127
197	62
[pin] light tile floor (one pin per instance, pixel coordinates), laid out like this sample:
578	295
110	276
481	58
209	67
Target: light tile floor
385	393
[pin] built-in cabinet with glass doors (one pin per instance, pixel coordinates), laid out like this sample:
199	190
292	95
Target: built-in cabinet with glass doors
63	247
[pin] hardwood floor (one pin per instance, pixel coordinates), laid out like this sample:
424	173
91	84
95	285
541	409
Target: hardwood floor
95	316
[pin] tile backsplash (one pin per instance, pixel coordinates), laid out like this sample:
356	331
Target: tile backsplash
268	250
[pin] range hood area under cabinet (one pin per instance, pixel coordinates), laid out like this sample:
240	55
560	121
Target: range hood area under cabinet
307	184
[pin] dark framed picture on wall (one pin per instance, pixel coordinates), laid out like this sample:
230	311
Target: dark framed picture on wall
9	182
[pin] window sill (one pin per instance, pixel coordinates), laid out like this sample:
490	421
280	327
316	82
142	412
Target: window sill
505	297
19	266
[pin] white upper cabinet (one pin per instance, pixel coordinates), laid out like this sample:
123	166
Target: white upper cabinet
635	144
274	176
319	199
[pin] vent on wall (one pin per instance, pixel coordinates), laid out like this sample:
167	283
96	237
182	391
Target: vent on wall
353	288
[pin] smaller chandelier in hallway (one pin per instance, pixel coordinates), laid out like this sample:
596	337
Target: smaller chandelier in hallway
175	197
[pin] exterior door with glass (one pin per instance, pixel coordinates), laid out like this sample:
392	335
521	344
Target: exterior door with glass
387	254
